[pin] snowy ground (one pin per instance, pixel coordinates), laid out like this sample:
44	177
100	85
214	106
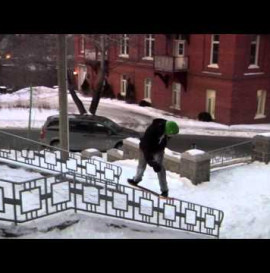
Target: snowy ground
242	192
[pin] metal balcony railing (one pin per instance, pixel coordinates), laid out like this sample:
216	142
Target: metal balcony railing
170	63
92	55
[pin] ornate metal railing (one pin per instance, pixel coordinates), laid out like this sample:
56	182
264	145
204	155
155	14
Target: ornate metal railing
48	158
90	185
238	153
37	198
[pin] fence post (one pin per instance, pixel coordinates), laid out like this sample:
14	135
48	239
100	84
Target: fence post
261	148
195	165
15	208
75	193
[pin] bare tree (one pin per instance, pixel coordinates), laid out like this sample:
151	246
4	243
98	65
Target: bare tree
102	43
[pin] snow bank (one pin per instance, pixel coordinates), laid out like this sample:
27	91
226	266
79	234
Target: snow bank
195	152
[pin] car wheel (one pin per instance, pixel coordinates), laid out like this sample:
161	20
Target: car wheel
119	145
55	143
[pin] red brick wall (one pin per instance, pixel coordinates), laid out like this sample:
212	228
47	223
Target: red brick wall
244	103
243	52
199	51
194	99
236	92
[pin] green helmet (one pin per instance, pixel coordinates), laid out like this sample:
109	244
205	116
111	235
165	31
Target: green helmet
171	128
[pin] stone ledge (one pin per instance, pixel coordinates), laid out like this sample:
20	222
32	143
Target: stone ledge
114	155
195	157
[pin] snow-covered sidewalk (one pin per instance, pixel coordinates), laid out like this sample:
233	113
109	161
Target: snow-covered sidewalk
241	192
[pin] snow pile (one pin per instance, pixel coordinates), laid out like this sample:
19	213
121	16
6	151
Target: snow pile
265	134
41	96
171	153
195	152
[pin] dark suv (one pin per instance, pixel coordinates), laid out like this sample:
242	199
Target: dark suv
86	131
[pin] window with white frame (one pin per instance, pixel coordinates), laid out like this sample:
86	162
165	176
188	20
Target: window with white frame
261	100
179	47
214	50
211	102
124	45
123	83
82	44
147	88
149	46
254	51
176	95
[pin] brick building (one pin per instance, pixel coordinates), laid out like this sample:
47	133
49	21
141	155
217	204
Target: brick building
227	75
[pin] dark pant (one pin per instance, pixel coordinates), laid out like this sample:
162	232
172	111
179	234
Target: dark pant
158	157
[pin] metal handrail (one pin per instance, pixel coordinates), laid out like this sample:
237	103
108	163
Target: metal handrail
112	200
228	147
227	156
58	162
33	141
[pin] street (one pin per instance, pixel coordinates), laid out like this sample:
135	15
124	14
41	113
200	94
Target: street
179	143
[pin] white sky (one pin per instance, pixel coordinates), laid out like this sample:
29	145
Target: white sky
242	192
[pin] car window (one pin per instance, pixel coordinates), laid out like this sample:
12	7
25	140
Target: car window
100	128
81	126
53	123
112	125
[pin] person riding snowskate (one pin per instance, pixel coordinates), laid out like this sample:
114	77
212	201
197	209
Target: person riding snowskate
152	146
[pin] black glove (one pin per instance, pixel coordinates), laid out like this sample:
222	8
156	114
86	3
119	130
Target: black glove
156	167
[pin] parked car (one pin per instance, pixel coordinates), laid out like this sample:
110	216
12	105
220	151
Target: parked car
87	131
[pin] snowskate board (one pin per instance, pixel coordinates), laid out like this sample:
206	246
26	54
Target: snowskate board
148	190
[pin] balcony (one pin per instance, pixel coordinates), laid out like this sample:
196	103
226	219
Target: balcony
92	55
170	64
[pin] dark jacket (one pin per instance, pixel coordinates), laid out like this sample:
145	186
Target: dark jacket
154	140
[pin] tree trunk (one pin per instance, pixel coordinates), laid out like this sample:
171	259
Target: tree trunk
95	100
72	87
101	79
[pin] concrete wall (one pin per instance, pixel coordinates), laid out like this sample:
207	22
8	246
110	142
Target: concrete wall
261	149
194	167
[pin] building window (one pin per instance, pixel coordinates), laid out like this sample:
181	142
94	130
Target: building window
82	44
147	88
123	90
254	51
149	46
124	45
261	100
179	47
214	51
211	102
176	95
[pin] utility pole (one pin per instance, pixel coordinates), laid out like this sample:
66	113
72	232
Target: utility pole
62	83
30	110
